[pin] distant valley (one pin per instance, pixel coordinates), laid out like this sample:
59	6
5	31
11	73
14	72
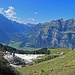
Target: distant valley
55	34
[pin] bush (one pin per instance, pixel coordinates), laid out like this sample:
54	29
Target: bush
49	57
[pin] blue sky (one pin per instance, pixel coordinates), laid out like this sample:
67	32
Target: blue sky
36	11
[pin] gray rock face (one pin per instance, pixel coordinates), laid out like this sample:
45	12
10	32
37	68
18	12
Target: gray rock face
57	33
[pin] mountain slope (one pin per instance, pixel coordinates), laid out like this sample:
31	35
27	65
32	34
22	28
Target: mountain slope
10	30
57	33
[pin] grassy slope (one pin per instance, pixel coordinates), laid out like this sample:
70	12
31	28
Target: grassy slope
15	45
63	65
53	51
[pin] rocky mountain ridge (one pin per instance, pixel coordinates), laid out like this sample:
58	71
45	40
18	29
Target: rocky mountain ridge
57	33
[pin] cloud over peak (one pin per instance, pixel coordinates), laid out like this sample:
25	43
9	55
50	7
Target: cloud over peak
10	12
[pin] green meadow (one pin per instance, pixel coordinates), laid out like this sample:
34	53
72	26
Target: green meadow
62	65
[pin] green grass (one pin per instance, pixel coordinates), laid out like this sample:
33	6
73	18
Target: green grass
15	45
54	51
63	65
30	49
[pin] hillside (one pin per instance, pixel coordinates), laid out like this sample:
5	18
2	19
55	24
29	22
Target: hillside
63	65
10	30
5	68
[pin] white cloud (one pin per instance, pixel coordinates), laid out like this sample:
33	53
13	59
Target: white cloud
31	19
10	12
1	10
36	13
